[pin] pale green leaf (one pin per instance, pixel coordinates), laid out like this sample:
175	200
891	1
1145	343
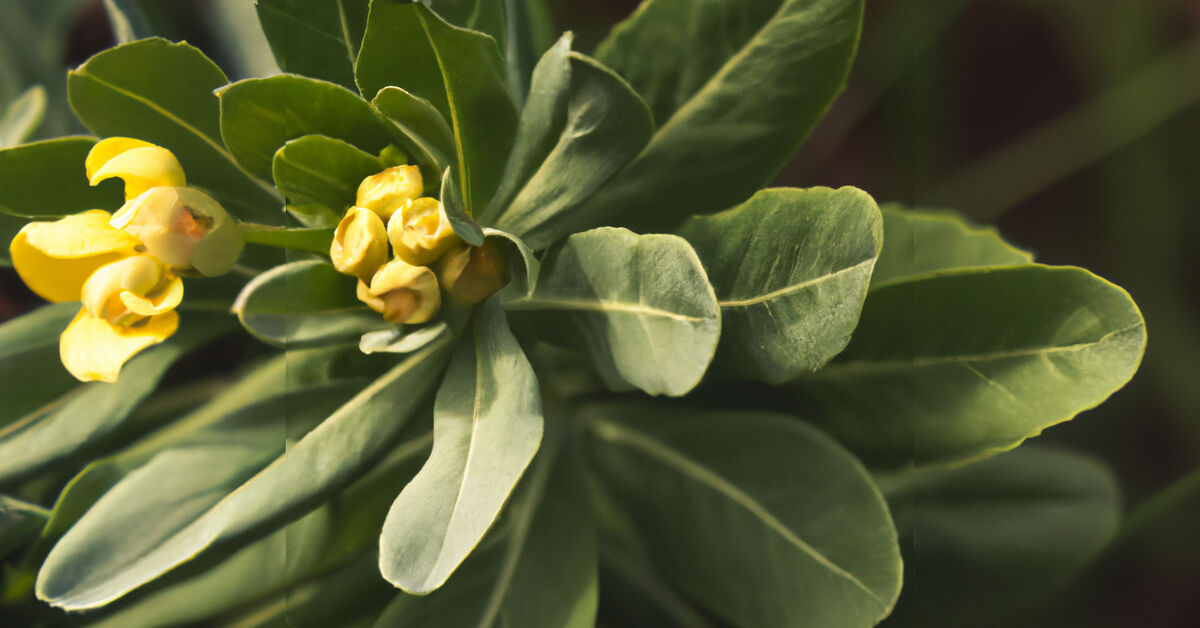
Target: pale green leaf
422	130
22	116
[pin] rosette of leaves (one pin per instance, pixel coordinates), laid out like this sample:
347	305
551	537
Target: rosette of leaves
681	409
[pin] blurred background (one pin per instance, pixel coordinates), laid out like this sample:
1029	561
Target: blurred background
1072	125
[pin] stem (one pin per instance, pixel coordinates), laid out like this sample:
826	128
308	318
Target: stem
313	240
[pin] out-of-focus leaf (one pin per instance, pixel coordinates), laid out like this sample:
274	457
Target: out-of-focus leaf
325	170
735	86
31	372
919	242
46	180
304	303
487	427
317	39
640	306
760	518
459	71
22	116
955	366
163	93
790	268
259	116
991	536
312	469
19	523
604	126
128	21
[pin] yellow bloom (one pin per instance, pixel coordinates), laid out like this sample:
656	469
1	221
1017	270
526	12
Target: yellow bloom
420	232
403	293
93	349
184	228
141	164
388	191
55	258
359	245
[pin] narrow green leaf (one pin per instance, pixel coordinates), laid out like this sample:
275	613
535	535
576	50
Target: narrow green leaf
640	306
995	535
19	523
459	71
461	222
401	340
919	242
259	116
523	266
317	39
721	133
606	124
422	129
163	93
319	169
127	20
22	116
31	372
530	31
304	303
487	427
311	239
46	180
760	518
312	469
961	365
790	268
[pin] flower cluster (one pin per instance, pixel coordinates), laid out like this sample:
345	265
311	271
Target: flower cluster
426	255
126	267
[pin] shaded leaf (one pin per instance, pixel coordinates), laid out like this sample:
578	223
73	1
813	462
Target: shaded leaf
422	130
31	373
319	169
461	222
401	340
46	180
22	116
20	522
317	39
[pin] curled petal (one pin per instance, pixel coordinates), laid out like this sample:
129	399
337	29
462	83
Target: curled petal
184	228
403	293
93	349
140	164
420	232
55	258
360	244
164	299
388	191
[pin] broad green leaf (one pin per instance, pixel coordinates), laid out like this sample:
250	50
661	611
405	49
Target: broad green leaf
735	86
791	269
163	93
422	130
459	71
323	539
259	116
31	372
538	567
312	469
992	536
317	39
19	523
319	169
920	242
463	225
605	126
46	180
966	364
304	303
640	306
93	410
759	517
487	427
22	116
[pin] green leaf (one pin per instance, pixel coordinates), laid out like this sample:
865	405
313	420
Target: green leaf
640	306
530	32
735	86
422	130
790	268
19	523
163	93
401	340
31	373
523	266
759	517
537	569
22	116
961	365
259	116
459	71
995	535
461	222
319	169
93	410
312	469
605	126
487	427
352	596
128	21
920	242
311	239
47	180
304	303
317	39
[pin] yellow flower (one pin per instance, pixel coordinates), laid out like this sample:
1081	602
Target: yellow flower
360	244
184	228
388	191
403	293
141	164
55	258
420	232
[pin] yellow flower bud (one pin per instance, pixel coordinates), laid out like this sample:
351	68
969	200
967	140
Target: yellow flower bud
470	274
131	290
141	164
420	232
403	293
184	228
388	191
359	244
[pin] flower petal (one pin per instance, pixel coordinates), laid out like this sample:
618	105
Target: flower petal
55	258
106	149
165	300
142	168
93	349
